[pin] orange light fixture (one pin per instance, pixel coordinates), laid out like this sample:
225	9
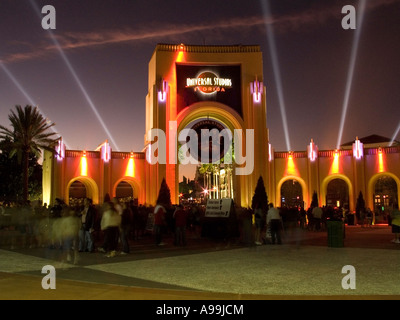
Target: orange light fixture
84	165
335	164
130	168
291	166
380	160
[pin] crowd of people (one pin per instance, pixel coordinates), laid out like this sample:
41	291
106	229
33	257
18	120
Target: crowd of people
111	227
82	226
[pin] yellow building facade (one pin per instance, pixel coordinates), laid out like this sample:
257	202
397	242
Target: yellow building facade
223	87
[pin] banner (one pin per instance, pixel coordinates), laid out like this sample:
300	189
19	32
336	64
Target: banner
218	208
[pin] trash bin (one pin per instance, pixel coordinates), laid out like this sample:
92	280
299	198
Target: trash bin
335	233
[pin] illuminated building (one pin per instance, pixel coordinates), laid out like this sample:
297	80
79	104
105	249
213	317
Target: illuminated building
222	87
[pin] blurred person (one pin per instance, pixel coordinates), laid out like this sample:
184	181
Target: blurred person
88	220
56	212
259	223
117	205
180	217
125	228
317	217
69	226
134	228
395	215
368	217
274	221
110	224
159	223
246	216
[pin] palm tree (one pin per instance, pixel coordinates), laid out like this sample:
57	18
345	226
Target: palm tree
29	136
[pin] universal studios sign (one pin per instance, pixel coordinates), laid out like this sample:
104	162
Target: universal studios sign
210	143
208	82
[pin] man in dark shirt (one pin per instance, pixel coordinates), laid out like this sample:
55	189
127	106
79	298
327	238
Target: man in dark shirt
180	216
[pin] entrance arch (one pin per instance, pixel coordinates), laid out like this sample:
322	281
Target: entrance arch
77	190
302	184
376	200
92	190
132	182
337	193
324	188
291	194
212	110
229	119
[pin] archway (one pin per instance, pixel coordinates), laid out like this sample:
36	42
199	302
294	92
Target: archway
324	189
337	193
384	191
291	194
208	179
216	181
81	187
77	190
126	189
298	189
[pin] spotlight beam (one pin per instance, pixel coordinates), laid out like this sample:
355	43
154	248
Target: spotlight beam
350	72
395	134
276	69
26	95
76	78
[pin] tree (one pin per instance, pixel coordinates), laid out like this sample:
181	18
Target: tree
28	137
314	201
260	195
164	195
360	205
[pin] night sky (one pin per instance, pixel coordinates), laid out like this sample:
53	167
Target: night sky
108	45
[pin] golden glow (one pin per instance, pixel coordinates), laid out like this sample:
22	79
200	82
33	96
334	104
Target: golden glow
84	165
335	164
130	168
380	161
291	169
180	56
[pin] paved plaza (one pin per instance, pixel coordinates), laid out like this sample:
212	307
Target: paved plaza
303	267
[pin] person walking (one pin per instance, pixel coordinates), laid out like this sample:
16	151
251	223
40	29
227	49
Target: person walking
70	225
180	216
110	223
88	219
395	215
125	228
259	223
159	223
274	222
317	216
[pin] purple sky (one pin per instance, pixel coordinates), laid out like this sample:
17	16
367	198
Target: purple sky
109	44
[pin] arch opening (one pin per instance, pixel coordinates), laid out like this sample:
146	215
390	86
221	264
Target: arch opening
79	188
385	195
337	194
199	182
